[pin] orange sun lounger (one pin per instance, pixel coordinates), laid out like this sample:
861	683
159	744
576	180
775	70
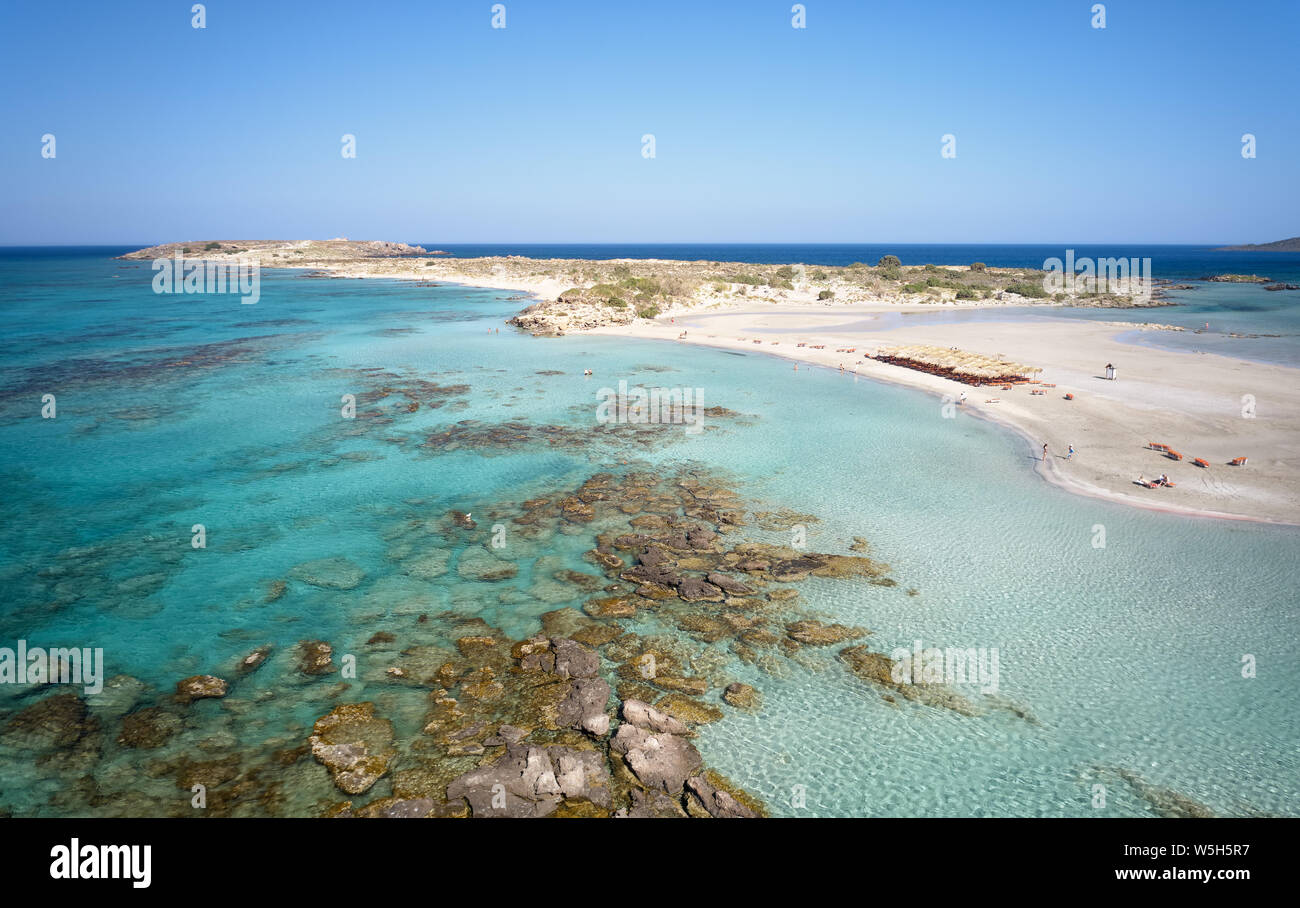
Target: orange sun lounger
1069	397
1238	461
1200	462
1157	446
1175	455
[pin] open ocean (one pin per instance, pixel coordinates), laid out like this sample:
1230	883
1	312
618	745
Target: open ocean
1120	666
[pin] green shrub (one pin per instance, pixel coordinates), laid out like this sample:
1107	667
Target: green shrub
210	246
1028	288
826	295
616	302
642	284
965	294
819	275
977	266
648	312
889	261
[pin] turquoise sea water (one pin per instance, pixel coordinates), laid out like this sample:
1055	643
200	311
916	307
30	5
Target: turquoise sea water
1122	663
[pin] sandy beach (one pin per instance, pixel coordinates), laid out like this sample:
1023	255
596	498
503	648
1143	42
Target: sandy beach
1192	402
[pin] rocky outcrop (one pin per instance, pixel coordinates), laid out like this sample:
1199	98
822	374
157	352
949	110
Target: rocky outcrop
703	798
584	706
659	761
645	716
532	781
201	687
354	745
556	317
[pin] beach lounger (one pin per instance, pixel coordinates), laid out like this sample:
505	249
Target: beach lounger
1200	463
1237	462
1173	455
1069	397
1157	446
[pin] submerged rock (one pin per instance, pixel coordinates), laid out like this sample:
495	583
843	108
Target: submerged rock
429	565
814	633
688	709
729	584
148	728
610	607
315	657
57	721
715	802
480	565
651	805
694	589
354	745
882	671
201	687
742	696
253	661
330	573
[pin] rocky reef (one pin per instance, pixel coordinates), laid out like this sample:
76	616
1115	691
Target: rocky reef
595	713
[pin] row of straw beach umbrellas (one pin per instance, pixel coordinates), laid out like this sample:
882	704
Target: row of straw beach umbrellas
961	365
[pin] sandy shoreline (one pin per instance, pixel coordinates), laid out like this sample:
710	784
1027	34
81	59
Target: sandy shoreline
1192	402
1207	406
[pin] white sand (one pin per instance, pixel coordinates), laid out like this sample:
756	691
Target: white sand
1192	402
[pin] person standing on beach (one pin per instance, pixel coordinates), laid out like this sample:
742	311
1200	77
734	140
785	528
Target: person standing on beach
1071	453
1044	451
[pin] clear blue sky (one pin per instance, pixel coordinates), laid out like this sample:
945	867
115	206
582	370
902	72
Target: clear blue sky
764	133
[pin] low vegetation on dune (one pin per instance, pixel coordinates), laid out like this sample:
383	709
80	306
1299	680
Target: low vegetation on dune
619	291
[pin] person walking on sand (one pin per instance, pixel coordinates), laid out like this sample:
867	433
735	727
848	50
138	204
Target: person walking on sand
1071	453
1044	451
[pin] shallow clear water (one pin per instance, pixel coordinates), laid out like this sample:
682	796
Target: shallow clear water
176	411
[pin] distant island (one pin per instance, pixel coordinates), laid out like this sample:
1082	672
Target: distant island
1291	245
